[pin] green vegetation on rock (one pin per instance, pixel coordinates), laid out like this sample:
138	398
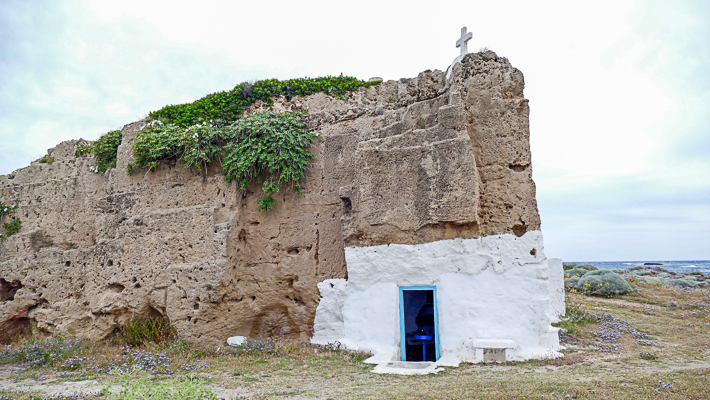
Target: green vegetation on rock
268	146
12	227
104	150
223	108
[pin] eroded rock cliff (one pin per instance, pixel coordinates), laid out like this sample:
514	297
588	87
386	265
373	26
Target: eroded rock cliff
398	162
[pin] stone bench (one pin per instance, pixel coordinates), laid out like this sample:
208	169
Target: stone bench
494	350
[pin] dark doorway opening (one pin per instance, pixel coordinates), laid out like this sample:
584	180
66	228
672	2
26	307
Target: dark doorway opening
418	319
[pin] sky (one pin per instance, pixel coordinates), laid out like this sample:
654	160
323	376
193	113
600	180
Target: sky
619	90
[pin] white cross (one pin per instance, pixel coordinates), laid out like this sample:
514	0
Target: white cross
463	42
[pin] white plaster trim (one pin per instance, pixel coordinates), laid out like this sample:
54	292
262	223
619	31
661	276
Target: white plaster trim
494	344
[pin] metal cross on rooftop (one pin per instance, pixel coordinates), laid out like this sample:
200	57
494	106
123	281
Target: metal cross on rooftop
463	42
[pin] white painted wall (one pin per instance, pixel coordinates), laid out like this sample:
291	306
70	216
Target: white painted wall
493	287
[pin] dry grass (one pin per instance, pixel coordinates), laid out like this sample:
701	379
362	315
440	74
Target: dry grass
680	339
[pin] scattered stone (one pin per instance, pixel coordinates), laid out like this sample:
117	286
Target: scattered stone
672	305
236	340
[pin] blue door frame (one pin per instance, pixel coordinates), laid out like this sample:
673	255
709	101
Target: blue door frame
402	333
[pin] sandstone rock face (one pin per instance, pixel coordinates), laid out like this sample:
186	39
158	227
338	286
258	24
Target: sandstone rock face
403	163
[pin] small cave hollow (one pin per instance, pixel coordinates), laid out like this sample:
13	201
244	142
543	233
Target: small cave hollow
518	167
116	287
152	312
293	251
519	230
15	328
347	205
8	289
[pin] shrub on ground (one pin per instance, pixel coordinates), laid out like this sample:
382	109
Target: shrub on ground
588	267
686	283
603	283
571	282
141	330
576	272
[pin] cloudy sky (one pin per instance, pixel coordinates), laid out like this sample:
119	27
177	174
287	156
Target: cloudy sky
619	90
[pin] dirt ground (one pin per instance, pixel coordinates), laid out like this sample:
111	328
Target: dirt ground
654	344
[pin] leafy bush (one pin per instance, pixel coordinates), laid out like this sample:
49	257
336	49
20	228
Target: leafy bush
104	150
195	146
223	108
576	272
141	330
686	283
268	146
603	283
272	148
46	160
588	267
571	282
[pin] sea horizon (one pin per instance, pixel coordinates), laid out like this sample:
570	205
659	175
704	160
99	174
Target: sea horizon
684	266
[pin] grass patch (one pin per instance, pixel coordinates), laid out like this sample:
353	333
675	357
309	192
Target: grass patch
144	387
141	330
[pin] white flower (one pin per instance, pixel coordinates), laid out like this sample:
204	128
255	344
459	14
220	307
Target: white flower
5	210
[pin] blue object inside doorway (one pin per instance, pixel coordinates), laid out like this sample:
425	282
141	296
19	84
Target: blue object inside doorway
419	323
